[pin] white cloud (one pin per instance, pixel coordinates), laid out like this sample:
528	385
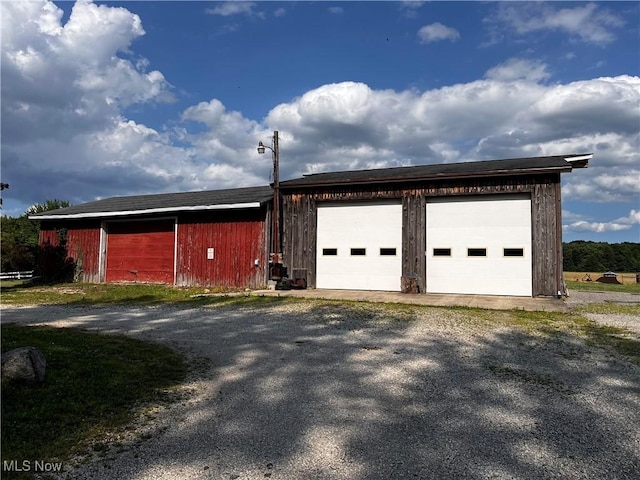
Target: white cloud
410	7
584	225
279	12
63	90
437	32
518	69
632	219
61	80
65	133
336	10
412	4
590	23
226	9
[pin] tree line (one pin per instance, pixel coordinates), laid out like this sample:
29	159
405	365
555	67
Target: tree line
581	256
19	238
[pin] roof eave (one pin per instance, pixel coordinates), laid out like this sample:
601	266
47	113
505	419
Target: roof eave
441	176
579	161
127	213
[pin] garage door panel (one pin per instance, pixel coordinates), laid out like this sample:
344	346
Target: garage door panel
361	226
463	238
492	223
142	251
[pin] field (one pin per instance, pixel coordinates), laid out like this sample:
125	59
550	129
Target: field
624	278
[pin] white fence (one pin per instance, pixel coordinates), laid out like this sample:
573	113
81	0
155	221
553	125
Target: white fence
16	275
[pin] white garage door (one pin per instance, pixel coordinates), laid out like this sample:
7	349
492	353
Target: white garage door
479	245
359	246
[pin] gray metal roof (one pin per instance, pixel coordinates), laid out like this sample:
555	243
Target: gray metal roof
251	197
514	166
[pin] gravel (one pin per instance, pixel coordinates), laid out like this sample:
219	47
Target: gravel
621	320
317	390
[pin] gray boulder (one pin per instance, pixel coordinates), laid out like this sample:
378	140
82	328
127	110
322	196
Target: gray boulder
23	365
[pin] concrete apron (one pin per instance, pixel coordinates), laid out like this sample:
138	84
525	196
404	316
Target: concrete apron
491	302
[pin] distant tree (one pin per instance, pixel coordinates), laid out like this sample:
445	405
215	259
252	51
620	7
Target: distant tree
581	256
19	237
19	244
47	206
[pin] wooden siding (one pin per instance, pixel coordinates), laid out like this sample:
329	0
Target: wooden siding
82	246
141	251
414	241
547	239
299	222
238	239
300	218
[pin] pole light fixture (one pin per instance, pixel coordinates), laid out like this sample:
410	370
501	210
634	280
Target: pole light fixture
275	256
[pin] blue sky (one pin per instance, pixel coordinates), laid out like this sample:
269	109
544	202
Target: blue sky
122	98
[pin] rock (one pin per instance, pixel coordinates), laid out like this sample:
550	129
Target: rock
23	365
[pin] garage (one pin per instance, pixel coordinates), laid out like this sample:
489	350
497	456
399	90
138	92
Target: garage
141	251
479	245
359	246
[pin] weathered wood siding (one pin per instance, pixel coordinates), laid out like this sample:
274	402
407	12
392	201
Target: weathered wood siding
238	239
546	239
414	236
82	245
299	219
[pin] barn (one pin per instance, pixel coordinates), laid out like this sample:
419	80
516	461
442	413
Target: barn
488	228
485	228
206	238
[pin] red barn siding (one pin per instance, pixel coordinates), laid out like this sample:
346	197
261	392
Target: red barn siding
48	236
141	251
82	246
238	239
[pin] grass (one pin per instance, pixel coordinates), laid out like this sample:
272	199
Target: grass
617	341
575	281
603	287
95	385
612	308
24	293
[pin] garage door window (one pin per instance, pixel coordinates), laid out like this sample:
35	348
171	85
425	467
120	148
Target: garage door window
476	252
513	252
358	252
441	252
388	252
329	251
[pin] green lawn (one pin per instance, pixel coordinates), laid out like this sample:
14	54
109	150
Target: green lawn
95	385
17	292
603	287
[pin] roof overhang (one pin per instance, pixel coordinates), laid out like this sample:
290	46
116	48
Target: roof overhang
579	161
128	213
571	162
435	176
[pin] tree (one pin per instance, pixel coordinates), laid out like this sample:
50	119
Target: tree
581	256
47	206
20	237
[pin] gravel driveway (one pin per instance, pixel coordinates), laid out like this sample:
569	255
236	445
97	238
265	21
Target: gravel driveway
316	390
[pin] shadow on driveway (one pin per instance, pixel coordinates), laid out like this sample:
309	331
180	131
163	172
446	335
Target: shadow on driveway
327	391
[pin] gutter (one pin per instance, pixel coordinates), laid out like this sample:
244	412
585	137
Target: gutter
124	213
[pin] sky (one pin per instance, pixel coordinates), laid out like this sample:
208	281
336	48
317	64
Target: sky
103	99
